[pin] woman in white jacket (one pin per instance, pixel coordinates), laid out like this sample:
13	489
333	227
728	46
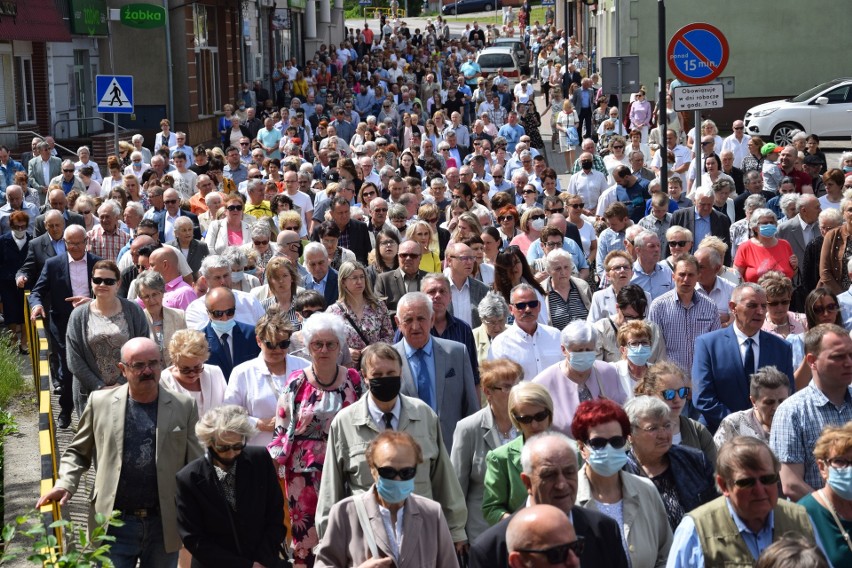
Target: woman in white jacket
233	230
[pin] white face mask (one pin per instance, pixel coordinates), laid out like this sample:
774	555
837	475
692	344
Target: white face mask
19	234
538	224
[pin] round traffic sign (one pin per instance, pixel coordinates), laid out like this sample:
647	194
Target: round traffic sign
697	53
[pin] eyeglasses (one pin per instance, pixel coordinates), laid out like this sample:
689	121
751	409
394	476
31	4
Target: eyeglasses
558	554
280	345
819	310
108	281
617	442
749	482
324	345
560	210
191	370
409	255
706	143
380	210
222	313
838	463
537	417
356	278
669	394
775	303
679	244
404	473
535	217
549	244
231	448
260	243
620	267
233	207
521	306
140	366
656	429
636	344
256	177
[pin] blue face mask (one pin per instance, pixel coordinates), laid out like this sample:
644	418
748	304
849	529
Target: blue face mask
394	490
840	481
583	360
847	169
221	327
607	461
768	230
639	355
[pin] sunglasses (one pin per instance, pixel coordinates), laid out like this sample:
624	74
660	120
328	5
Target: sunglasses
409	255
68	171
521	306
619	147
682	392
170	201
535	217
222	313
280	345
558	554
230	207
819	310
232	448
706	143
505	218
577	206
191	370
404	473
617	442
528	191
749	482
260	243
538	417
738	127
679	244
108	281
89	212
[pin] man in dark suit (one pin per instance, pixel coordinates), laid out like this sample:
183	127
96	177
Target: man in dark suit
540	528
703	220
43	168
57	201
353	234
165	224
64	284
753	185
321	277
437	371
198	251
799	231
231	342
602	535
584	103
465	290
213	532
725	359
395	284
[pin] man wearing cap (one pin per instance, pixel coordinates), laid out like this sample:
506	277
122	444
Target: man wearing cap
813	165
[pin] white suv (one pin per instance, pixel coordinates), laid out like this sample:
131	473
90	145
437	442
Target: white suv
825	110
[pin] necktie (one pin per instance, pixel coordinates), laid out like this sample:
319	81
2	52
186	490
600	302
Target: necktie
748	363
424	382
227	349
388	418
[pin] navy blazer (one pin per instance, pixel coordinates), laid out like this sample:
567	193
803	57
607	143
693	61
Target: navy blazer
331	290
244	343
196	228
54	286
11	257
720	226
720	384
38	251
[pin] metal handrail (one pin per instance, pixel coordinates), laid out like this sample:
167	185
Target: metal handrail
120	127
37	135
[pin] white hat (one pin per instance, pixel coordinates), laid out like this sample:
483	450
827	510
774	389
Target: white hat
523	99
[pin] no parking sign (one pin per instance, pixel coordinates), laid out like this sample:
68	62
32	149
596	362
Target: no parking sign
698	53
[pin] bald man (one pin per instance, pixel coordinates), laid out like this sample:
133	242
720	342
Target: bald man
540	533
58	201
178	293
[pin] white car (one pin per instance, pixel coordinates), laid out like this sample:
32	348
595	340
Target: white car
491	59
825	110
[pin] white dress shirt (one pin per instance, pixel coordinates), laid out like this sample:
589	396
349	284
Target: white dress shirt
741	339
461	301
534	353
248	309
79	272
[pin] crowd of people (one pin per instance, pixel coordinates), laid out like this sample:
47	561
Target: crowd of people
364	333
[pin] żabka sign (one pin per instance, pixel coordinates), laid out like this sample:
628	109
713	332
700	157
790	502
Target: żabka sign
143	16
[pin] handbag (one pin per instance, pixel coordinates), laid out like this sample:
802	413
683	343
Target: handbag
364	521
572	135
354	325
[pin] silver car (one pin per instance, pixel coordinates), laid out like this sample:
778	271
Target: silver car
520	51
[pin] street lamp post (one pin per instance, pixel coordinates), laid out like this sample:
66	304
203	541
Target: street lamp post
661	97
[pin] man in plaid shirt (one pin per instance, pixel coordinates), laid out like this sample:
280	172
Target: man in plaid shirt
106	239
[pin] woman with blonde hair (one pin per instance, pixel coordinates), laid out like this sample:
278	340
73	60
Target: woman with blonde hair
189	372
532	222
366	316
566	124
282	285
779	319
421	233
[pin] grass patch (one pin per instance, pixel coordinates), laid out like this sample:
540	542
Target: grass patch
11	379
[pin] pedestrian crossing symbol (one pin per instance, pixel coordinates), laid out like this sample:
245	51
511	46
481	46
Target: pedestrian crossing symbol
114	93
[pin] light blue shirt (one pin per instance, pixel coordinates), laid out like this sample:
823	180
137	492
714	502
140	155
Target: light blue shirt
512	134
414	363
311	284
568	245
845	300
657	283
608	241
58	246
702	229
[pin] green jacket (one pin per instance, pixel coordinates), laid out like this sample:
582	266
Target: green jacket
504	491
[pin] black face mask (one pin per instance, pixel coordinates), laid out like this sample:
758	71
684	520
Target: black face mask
385	389
586	164
225	462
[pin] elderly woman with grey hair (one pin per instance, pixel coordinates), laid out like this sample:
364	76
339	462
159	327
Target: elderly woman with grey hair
768	388
138	140
214	201
189	373
579	377
493	313
682	475
764	251
263	242
84	154
238	261
163	321
740	231
309	401
193	250
230	510
567	297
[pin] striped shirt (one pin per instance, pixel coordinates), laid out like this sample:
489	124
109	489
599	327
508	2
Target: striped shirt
798	423
106	245
681	325
561	312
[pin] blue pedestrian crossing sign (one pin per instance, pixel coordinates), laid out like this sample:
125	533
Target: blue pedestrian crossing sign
114	93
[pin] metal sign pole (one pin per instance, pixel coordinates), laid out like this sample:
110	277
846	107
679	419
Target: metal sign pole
661	97
115	132
696	145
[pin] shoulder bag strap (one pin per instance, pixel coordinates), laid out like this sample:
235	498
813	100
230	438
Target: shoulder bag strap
843	532
364	521
353	324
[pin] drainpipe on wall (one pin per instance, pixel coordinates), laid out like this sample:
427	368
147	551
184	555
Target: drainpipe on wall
169	79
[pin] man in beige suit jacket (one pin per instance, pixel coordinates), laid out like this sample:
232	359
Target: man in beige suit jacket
142	435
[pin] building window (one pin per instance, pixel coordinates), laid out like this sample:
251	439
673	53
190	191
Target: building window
24	89
206	58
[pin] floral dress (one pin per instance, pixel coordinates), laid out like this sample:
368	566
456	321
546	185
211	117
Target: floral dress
374	324
298	450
